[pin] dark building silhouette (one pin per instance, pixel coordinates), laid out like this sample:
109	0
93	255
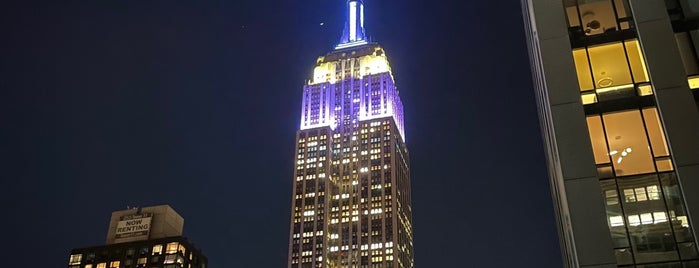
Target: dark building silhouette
142	237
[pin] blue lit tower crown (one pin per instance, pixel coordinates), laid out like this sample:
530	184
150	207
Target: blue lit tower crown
352	83
351	196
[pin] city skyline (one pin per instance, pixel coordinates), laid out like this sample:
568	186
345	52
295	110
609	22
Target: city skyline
196	105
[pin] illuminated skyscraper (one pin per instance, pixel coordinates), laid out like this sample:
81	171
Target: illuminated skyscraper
351	196
616	84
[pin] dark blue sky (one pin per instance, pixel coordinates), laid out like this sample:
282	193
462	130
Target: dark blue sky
195	104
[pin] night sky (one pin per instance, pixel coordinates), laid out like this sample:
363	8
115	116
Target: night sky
195	104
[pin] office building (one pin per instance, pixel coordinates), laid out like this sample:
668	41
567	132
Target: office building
616	87
351	196
141	237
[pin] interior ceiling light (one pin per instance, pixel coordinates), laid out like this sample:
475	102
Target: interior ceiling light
624	153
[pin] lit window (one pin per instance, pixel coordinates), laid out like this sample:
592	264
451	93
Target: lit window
598	17
609	67
655	132
582	68
615	221
664	164
114	264
628	144
157	249
589	98
646	218
645	90
659	217
102	265
634	220
693	82
599	146
171	248
629	196
653	192
170	259
638	65
641	194
75	259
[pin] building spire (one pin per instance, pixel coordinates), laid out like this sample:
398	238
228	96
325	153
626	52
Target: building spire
353	34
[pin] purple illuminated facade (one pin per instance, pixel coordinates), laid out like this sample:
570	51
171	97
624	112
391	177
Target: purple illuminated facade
351	199
353	95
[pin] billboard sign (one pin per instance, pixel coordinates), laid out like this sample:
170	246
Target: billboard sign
134	227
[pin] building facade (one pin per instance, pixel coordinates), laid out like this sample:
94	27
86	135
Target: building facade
351	197
149	237
616	87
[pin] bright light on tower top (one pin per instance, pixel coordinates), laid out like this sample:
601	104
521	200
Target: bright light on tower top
353	35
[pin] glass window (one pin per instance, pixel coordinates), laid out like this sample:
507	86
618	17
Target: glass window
655	132
143	260
653	193
114	264
171	248
599	145
604	172
170	258
582	67
687	52
638	65
624	13
645	90
88	266
75	259
634	220
693	82
629	196
648	222
597	16
614	214
572	13
664	165
102	265
157	249
628	145
623	256
689	251
646	218
611	197
641	194
659	217
675	205
609	67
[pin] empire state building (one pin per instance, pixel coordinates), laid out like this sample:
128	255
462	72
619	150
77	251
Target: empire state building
351	195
